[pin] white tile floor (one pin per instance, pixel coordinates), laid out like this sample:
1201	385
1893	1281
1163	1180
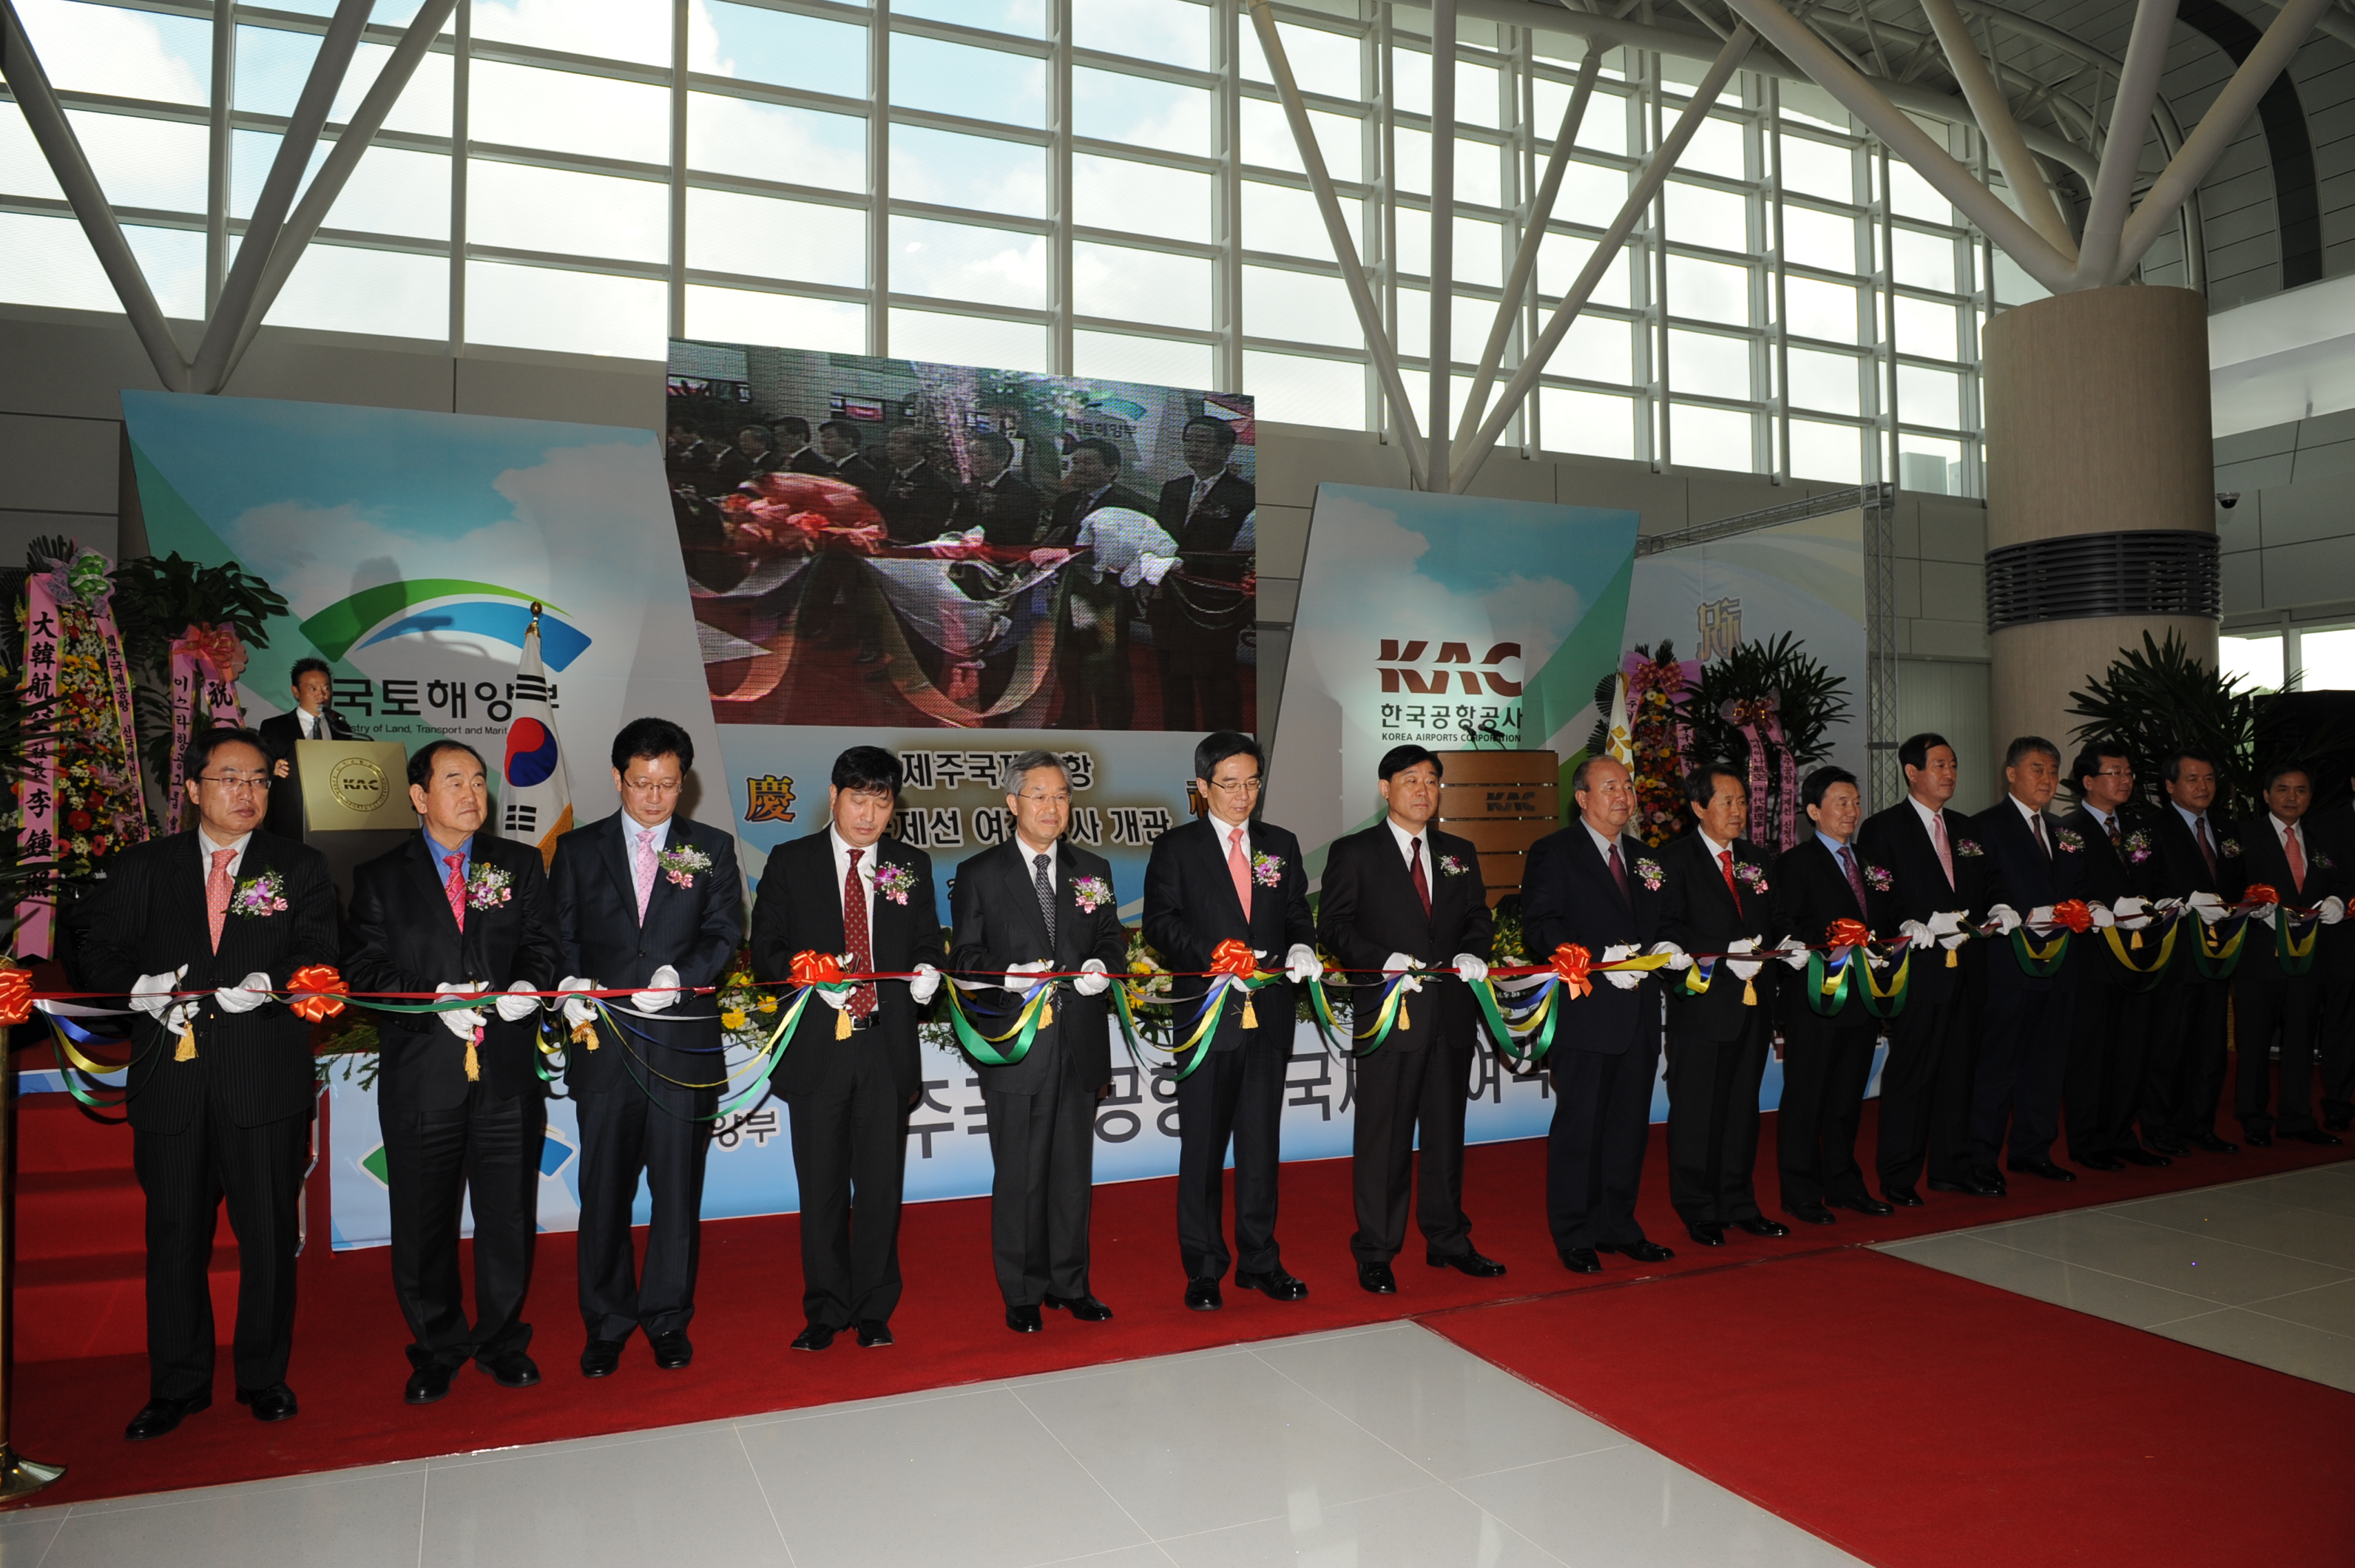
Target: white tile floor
2262	1271
1379	1446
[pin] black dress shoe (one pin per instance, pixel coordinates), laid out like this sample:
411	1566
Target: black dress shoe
2317	1138
1083	1308
1581	1260
1868	1205
1810	1213
1203	1295
2213	1144
1377	1279
2143	1156
1903	1197
158	1417
1978	1184
2337	1121
873	1334
1024	1320
1708	1232
275	1402
2096	1162
1759	1225
1275	1284
427	1384
673	1350
1636	1251
514	1370
601	1358
2043	1167
813	1336
1466	1262
2258	1139
2174	1148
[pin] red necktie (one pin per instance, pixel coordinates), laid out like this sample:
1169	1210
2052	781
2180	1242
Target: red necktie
455	888
216	893
1726	865
2037	823
854	932
1421	882
1619	875
2207	850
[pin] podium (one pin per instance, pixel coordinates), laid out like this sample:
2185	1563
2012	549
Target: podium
355	802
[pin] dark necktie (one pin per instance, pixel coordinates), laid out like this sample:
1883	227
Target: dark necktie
1045	890
1421	882
1855	878
1619	875
2116	837
2036	824
854	933
2207	850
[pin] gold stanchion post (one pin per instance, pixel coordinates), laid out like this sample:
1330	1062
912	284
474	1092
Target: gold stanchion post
19	1477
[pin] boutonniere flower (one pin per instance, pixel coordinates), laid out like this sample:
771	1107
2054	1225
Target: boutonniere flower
1968	848
1751	877
682	862
2138	846
1877	878
894	882
1090	893
2229	849
260	896
489	886
1449	865
1267	870
2321	861
1649	872
2068	840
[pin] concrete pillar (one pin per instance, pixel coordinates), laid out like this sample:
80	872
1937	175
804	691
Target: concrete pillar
2097	422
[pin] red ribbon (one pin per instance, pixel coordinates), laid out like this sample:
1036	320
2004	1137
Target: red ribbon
1849	934
2074	914
15	995
2254	893
1233	957
319	992
815	969
1571	963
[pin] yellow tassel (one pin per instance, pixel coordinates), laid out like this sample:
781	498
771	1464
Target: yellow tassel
1954	958
2137	940
1046	1012
584	1034
475	1059
1250	1018
1749	994
1404	1023
842	1023
186	1051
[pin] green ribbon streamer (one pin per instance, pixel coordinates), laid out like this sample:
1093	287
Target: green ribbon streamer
2150	976
1386	1016
2215	962
1838	988
2295	960
2044	964
1873	996
983	1048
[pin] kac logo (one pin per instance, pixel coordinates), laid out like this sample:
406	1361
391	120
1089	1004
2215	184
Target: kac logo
1453	658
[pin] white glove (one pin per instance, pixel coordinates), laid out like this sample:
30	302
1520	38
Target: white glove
1468	967
1682	960
2334	909
2102	916
1093	980
1398	964
1743	969
1014	982
1625	979
662	991
2209	907
2042	915
462	1023
1147	570
1301	965
1917	933
2265	913
245	995
2006	917
925	986
576	1009
519	1004
151	994
2132	912
1794	952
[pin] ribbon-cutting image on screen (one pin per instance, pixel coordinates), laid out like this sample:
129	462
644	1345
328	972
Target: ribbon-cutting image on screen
884	541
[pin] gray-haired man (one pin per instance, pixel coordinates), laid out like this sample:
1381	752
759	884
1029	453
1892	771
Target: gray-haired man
1035	903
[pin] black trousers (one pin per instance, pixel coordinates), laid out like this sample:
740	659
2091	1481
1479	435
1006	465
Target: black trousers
2023	1053
2263	1002
1594	1148
850	1156
484	1149
1200	687
1237	1095
2338	1034
185	1175
1044	1148
2109	1052
1713	1122
2187	1056
1826	1065
625	1130
1398	1092
1925	1093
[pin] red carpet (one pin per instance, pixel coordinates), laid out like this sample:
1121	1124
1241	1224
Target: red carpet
1917	1419
348	1368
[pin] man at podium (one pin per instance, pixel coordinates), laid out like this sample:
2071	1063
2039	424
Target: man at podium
312	719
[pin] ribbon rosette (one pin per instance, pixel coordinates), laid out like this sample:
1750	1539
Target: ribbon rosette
318	992
2074	914
1233	957
2258	893
1848	934
217	646
815	969
1572	964
16	993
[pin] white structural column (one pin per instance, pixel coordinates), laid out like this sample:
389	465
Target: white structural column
1442	232
2020	169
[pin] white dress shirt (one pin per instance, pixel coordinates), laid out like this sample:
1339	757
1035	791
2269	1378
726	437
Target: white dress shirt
2036	827
1030	862
631	828
205	847
1420	850
1933	821
2285	832
1602	846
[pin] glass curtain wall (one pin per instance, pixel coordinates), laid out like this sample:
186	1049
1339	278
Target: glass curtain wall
1100	188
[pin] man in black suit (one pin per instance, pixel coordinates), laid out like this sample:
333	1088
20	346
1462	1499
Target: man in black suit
2024	1035
1402	896
1943	878
1198	612
917	497
999	501
802	455
2190	1045
2334	834
837	444
203	929
1719	901
849	1074
1227	877
1594	886
312	719
648	900
2276	850
2109	1035
456	911
1827	1061
755	454
1092	664
1037	903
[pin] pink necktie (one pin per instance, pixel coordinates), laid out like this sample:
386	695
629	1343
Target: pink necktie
1239	867
455	888
216	893
1946	855
2289	846
645	871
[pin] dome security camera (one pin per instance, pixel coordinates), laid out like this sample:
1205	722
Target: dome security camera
2228	499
